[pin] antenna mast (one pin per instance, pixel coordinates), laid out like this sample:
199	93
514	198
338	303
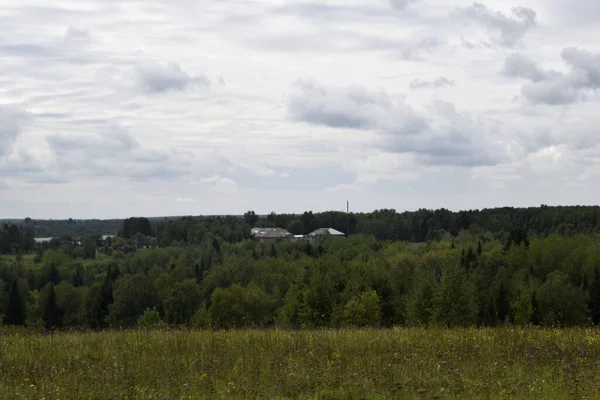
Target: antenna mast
348	218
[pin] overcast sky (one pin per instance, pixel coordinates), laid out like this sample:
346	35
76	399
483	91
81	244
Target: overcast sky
117	108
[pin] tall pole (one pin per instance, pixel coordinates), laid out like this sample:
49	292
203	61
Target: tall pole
348	218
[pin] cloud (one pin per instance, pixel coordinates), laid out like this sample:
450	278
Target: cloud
220	184
431	84
557	88
3	186
521	66
506	30
75	35
401	4
11	123
154	77
185	200
439	135
352	107
113	152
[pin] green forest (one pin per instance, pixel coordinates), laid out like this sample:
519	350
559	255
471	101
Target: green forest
534	266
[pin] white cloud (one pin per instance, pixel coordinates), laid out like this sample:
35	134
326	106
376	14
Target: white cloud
220	184
157	77
506	30
186	200
291	105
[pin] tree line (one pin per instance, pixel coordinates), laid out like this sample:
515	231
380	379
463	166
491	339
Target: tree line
387	224
471	279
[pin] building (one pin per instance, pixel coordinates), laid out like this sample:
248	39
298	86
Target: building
271	235
323	233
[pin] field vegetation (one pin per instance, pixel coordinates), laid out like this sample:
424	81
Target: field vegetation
480	304
492	363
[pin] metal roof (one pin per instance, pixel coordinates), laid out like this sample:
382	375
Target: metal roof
270	232
326	231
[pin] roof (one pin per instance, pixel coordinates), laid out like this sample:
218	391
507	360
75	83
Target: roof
270	232
326	231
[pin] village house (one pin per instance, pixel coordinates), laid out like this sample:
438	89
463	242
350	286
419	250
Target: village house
271	235
323	233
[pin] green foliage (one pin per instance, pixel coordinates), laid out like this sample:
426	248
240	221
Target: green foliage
498	363
150	319
132	295
240	306
561	303
523	307
363	311
52	314
134	225
454	301
15	313
183	301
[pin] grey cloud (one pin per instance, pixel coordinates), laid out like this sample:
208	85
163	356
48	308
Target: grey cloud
442	136
521	66
555	92
351	107
3	186
19	163
112	141
510	28
158	78
11	122
557	88
113	152
438	82
77	35
585	66
401	4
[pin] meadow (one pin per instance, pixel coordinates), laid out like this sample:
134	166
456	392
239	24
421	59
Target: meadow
402	363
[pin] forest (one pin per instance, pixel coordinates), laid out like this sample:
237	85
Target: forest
538	266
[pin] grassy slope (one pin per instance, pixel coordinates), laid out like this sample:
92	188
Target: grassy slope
399	363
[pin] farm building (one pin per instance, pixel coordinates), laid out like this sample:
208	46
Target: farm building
271	235
323	233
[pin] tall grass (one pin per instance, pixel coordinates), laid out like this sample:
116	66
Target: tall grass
345	364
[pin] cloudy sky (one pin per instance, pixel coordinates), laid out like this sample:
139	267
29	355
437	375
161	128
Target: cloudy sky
117	108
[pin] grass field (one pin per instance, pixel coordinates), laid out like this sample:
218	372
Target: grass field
346	364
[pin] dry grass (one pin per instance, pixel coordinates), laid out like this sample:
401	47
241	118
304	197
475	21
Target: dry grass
346	364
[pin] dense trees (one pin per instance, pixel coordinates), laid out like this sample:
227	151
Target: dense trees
132	226
490	267
16	239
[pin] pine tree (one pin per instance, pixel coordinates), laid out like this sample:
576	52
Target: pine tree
78	276
53	275
15	313
594	303
52	314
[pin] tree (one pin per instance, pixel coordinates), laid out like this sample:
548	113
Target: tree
134	225
250	218
183	301
595	297
560	303
52	314
454	300
150	319
70	300
296	227
132	295
89	247
15	311
364	310
522	308
3	300
239	306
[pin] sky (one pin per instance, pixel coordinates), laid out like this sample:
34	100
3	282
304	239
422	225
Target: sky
111	108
